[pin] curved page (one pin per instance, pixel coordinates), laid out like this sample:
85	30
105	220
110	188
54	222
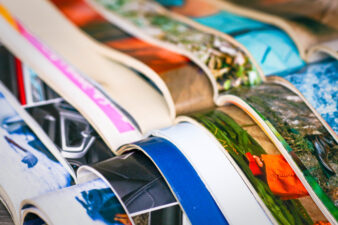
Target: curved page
207	157
197	202
76	139
263	166
318	83
141	188
120	83
70	131
189	88
273	50
271	47
328	47
4	215
30	164
309	147
91	203
314	24
113	126
150	28
219	56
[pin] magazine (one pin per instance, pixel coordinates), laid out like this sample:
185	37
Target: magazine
32	161
273	50
258	130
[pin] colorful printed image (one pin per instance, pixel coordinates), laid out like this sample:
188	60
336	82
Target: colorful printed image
92	202
229	65
36	89
36	170
302	134
159	59
269	173
272	48
102	205
71	132
187	83
140	186
30	88
318	83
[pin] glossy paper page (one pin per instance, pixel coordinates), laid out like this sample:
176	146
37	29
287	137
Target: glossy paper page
91	203
271	47
129	90
141	188
37	170
177	71
180	177
74	86
215	169
318	83
262	165
310	145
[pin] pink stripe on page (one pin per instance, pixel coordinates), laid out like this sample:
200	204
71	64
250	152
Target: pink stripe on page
85	86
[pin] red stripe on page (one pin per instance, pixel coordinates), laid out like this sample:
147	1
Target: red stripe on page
20	82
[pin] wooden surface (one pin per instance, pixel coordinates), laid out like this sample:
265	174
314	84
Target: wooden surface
5	218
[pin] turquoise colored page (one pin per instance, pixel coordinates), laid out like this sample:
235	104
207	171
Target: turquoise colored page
271	47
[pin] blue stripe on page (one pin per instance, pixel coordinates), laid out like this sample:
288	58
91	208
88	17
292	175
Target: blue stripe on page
187	186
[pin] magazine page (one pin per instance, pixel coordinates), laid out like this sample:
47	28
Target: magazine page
300	136
212	51
328	47
76	139
180	176
216	169
141	188
261	164
171	72
29	154
318	84
90	203
80	91
274	51
173	67
312	25
270	46
121	84
22	81
71	132
219	58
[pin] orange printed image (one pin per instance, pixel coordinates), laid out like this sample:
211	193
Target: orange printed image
85	17
159	59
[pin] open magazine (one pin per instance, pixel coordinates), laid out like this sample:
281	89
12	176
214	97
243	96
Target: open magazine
219	58
273	49
253	131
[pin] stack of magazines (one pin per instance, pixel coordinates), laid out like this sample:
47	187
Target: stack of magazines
168	112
